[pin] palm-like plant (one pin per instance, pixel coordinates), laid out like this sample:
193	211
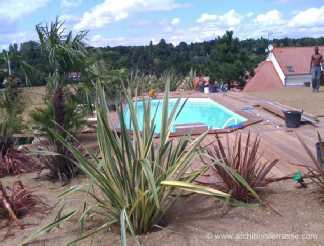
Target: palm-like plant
65	53
63	50
190	80
16	66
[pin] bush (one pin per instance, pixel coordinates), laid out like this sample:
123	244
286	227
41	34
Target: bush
147	82
11	105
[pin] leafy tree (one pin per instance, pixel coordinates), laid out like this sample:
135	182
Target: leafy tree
16	65
229	61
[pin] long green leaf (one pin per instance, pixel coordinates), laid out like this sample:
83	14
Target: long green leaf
49	227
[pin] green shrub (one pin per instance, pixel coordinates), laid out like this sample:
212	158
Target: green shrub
11	105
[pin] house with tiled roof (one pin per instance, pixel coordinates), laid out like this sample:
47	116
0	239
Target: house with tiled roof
288	66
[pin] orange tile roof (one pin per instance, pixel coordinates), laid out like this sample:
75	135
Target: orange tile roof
265	78
295	60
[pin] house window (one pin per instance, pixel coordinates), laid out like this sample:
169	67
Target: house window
290	69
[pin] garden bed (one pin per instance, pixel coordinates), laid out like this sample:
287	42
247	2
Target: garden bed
197	220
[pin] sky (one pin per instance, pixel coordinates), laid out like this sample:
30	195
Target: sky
137	22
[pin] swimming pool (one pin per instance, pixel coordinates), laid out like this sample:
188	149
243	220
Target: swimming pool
196	110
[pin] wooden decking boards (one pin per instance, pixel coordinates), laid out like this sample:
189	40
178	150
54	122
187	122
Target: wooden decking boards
277	142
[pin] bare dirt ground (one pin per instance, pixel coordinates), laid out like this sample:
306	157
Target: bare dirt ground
32	97
297	97
197	220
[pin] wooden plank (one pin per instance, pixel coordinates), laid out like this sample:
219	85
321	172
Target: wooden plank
307	116
278	110
195	128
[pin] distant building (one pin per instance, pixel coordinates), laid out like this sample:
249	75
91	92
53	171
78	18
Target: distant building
288	66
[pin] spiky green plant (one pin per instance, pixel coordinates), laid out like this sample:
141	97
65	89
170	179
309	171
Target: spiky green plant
137	175
315	169
189	80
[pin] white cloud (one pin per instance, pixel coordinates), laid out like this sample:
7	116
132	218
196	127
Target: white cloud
308	18
69	19
99	40
115	10
15	37
14	9
231	18
205	17
175	21
270	18
245	25
170	26
70	3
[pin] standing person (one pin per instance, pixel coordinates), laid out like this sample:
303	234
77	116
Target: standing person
316	61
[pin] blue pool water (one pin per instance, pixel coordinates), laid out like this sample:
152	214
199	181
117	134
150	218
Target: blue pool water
196	110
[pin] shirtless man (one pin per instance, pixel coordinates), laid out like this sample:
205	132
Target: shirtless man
316	61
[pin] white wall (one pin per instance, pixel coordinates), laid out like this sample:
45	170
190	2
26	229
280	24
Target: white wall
298	80
272	58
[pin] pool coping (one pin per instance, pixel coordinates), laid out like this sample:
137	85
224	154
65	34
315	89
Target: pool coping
251	119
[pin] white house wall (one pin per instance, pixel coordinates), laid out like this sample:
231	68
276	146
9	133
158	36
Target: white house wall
277	67
298	80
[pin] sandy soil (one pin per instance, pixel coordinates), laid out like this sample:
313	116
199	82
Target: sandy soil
198	220
301	98
32	98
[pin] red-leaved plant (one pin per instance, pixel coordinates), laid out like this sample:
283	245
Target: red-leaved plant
16	202
14	162
243	158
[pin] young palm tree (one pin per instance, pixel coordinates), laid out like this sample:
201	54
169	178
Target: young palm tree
65	53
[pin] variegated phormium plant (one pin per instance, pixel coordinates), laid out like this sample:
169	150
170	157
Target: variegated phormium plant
136	176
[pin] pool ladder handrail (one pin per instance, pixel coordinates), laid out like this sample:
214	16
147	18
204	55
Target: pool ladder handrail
228	121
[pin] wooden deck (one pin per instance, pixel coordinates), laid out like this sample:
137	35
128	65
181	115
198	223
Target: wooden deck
277	142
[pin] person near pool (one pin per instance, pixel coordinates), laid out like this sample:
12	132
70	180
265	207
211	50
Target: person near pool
316	61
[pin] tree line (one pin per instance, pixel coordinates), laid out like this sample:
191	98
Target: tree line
224	59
